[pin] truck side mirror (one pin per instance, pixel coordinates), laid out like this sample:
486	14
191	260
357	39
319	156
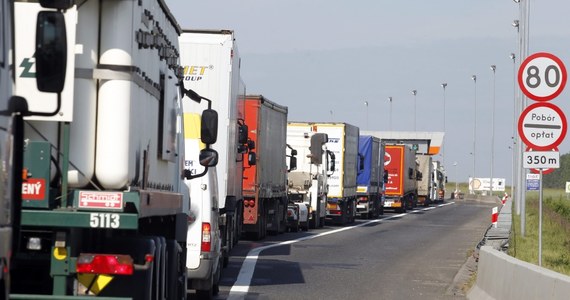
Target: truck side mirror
57	4
292	163
209	126
208	157
242	132
316	147
250	144
252	159
293	152
332	157
51	51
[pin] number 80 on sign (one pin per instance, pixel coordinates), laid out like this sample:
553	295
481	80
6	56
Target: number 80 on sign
542	76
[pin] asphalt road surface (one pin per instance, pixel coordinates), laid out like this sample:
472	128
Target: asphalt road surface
398	256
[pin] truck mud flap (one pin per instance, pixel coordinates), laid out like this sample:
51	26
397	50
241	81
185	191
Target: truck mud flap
142	284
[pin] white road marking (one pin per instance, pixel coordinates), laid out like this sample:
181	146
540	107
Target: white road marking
241	286
446	204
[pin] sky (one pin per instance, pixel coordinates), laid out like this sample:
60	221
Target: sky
325	59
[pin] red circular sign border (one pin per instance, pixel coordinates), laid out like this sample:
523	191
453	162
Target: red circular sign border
551	106
527	61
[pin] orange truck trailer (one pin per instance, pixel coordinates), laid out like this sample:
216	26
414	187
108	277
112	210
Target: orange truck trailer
265	181
402	186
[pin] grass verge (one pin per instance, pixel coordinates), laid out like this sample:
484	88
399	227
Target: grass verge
555	231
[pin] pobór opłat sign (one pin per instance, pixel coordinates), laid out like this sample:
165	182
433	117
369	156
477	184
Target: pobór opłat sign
542	126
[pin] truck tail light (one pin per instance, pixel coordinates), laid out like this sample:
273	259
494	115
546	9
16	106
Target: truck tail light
249	203
115	264
206	237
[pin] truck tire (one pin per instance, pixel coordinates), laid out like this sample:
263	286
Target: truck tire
205	294
3	289
239	223
313	220
352	211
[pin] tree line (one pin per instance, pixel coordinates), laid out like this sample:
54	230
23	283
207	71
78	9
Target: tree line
558	178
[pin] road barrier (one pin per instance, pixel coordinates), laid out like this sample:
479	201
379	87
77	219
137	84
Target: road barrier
500	276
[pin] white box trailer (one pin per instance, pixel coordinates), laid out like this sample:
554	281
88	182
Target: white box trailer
211	63
343	143
425	185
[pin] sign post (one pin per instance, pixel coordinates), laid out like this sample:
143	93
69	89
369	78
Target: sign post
542	126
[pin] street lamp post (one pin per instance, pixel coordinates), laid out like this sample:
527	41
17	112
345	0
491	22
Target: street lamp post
415	92
493	68
456	178
390	99
474	78
366	104
443	85
514	162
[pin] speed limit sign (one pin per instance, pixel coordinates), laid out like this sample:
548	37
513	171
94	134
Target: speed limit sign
542	76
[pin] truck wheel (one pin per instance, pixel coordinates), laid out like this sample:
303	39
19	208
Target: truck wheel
295	228
205	294
313	220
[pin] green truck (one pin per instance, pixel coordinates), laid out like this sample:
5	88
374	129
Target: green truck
105	208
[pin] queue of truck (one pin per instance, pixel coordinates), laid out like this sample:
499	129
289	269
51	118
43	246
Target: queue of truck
136	160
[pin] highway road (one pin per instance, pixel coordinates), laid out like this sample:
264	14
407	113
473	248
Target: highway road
398	256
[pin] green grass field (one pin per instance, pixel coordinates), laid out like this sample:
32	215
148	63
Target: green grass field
555	231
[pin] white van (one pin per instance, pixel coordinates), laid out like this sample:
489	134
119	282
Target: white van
204	259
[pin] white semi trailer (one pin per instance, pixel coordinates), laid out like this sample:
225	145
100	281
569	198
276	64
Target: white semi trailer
426	179
211	64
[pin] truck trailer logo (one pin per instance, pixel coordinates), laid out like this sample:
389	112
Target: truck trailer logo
196	73
101	200
34	189
387	158
27	64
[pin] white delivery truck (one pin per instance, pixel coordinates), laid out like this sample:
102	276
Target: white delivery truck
204	259
105	210
211	63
